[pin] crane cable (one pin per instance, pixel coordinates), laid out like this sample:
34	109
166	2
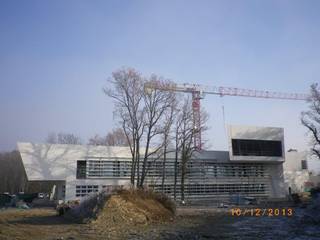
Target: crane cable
223	115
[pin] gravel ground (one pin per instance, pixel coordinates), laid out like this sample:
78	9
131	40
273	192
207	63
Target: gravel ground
220	224
190	223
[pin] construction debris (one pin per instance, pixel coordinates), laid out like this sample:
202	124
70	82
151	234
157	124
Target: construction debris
124	207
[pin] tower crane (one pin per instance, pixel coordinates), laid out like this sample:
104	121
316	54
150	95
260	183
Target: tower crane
199	91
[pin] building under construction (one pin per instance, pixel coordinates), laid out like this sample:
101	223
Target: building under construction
251	167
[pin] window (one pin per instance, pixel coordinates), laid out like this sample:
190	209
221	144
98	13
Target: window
214	189
241	147
116	168
84	190
63	191
81	169
304	165
107	168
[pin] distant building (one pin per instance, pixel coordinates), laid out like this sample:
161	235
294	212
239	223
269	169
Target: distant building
301	171
251	167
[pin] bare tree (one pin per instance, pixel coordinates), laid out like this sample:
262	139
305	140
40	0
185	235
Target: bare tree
13	178
116	137
141	114
311	119
177	150
63	138
168	122
68	138
97	140
127	92
186	134
157	103
51	138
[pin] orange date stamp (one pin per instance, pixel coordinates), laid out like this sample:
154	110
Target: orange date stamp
260	212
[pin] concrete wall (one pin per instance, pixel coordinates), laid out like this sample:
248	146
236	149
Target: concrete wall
277	184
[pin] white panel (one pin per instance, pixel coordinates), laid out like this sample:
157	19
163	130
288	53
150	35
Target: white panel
58	161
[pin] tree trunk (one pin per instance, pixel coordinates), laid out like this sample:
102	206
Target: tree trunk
164	163
132	175
175	169
183	173
133	162
145	159
138	162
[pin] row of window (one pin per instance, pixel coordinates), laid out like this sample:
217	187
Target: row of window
195	169
84	190
190	189
212	189
100	168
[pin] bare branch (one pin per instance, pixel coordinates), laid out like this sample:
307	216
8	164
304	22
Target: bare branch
311	119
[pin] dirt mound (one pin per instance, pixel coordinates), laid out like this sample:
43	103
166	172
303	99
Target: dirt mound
125	207
118	211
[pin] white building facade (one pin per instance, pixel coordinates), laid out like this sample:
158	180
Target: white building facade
251	167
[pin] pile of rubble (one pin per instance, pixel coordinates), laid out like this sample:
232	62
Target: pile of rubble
124	207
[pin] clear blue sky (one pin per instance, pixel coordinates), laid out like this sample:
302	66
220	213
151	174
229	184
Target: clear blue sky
55	57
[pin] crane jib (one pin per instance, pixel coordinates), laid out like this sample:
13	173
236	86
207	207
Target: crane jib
198	92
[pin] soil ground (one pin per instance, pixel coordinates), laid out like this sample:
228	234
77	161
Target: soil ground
190	223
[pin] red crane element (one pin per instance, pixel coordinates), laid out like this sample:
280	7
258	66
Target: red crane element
198	92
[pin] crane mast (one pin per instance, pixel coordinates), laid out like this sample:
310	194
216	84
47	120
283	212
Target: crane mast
199	91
